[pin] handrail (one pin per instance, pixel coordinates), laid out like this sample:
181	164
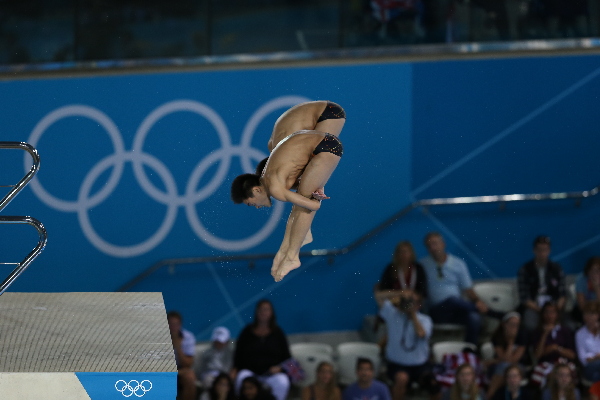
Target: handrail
22	266
334	252
25	180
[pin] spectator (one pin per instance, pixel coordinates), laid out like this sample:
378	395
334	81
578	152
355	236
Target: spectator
587	340
587	286
595	391
184	344
551	342
221	388
366	388
448	278
510	344
407	348
512	389
561	385
261	349
216	359
325	386
252	389
540	280
404	272
465	387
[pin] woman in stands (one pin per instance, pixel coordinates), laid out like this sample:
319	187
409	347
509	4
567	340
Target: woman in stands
512	389
325	386
465	386
587	286
252	389
510	344
404	272
561	385
551	340
221	389
260	350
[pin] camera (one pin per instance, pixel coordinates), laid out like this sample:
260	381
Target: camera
406	304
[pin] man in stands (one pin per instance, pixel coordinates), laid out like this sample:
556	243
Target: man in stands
366	388
184	344
540	280
407	344
448	279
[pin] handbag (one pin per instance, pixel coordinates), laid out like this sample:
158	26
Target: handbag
294	370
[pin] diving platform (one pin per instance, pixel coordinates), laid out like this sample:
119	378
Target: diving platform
76	346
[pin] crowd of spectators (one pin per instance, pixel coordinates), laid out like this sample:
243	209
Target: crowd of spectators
33	31
539	350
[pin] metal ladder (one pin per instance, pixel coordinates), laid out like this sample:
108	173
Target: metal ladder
15	189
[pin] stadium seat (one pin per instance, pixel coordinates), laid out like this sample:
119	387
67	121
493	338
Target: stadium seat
450	347
349	352
487	351
310	355
499	296
198	350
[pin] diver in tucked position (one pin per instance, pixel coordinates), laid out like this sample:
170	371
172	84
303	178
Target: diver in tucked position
304	144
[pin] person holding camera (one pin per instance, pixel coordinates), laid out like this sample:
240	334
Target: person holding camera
407	347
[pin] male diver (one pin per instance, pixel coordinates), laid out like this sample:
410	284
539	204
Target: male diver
304	144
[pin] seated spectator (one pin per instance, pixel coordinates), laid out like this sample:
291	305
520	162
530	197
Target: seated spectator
394	14
465	386
561	385
365	387
404	272
216	359
184	344
587	341
261	349
510	344
407	348
512	389
551	342
540	280
325	386
587	286
595	391
447	279
252	389
220	389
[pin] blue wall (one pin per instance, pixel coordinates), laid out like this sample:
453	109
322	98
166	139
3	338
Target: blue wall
136	168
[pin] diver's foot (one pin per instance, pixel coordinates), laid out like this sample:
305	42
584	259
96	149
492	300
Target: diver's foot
308	238
284	268
276	261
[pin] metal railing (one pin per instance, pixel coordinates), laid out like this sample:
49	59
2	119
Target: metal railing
334	252
12	193
25	180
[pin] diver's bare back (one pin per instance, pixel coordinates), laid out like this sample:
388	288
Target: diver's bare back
303	116
290	157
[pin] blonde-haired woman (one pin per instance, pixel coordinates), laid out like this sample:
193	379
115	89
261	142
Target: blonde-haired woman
325	386
465	385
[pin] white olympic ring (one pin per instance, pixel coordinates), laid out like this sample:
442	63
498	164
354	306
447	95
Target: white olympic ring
170	196
128	390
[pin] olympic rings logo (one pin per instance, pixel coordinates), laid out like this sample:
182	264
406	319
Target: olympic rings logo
133	387
170	197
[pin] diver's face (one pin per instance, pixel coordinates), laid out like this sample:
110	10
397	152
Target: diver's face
259	199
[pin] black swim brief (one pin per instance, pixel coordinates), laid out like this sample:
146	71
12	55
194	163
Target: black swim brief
332	111
330	144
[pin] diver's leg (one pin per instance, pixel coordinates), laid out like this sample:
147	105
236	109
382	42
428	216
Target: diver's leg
315	176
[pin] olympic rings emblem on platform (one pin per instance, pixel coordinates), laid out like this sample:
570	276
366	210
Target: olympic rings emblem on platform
133	387
140	159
